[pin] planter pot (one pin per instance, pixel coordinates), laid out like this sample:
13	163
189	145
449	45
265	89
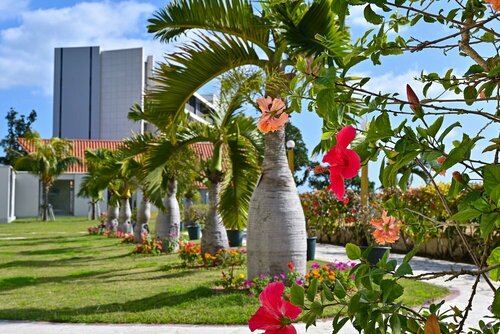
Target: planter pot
376	253
194	232
311	248
235	238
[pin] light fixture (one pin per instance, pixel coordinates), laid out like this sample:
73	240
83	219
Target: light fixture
290	144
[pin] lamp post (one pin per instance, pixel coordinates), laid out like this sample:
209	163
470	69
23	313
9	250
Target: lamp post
290	145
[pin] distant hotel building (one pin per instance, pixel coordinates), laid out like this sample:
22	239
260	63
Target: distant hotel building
94	91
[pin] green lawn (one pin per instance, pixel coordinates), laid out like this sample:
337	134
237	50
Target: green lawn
54	271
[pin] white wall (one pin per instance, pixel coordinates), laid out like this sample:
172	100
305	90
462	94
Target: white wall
7	193
27	195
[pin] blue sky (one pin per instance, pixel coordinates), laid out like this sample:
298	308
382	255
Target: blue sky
30	30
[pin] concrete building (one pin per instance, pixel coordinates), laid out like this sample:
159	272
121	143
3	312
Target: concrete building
94	91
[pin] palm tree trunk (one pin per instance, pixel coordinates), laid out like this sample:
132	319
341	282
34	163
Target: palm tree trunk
124	224
276	223
45	205
168	221
112	223
143	216
93	209
214	234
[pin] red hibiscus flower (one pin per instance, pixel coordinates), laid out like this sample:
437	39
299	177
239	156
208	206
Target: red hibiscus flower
275	316
344	162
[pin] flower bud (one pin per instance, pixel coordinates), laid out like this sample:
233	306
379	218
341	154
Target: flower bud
414	102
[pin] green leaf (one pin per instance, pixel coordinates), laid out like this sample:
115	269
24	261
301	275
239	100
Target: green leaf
495	307
395	324
339	290
489	221
297	295
380	128
317	308
403	269
434	128
371	16
493	259
491	175
470	95
390	290
391	265
327	108
327	292
466	215
448	130
312	290
353	251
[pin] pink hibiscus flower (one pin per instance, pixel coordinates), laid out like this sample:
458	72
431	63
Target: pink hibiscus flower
386	229
273	116
275	316
344	162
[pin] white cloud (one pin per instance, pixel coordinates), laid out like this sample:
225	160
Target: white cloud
11	9
27	53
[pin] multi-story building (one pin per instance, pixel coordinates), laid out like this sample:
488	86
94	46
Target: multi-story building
94	90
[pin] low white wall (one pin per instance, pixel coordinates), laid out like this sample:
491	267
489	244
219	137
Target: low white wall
7	193
27	195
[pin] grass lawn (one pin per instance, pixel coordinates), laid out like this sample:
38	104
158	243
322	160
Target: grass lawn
54	271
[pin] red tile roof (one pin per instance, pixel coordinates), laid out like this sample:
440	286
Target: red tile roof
203	150
79	148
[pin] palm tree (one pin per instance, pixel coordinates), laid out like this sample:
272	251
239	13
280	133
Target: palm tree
48	160
165	163
92	185
233	169
232	34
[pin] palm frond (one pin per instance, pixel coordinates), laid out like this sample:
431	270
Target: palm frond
316	31
231	17
240	182
188	70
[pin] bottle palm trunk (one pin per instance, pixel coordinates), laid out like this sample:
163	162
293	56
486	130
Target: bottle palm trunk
124	223
214	235
112	222
168	221
143	216
276	223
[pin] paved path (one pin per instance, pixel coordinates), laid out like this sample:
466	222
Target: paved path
459	297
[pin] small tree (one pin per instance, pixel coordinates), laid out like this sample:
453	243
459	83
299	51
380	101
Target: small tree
48	160
17	127
93	185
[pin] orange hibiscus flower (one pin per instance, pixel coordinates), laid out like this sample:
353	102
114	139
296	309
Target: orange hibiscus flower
386	229
273	116
494	3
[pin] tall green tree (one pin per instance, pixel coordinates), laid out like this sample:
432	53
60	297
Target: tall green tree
17	127
48	159
277	38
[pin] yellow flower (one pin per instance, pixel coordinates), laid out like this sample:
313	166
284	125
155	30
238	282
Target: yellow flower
241	276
